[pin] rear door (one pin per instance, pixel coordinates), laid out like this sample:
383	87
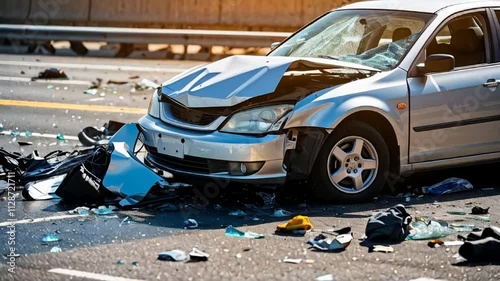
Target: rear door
457	113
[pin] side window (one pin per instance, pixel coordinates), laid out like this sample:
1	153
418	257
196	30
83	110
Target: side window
464	38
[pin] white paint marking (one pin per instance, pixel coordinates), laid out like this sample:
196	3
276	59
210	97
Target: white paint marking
96	99
39	135
43	81
27	221
95	66
88	275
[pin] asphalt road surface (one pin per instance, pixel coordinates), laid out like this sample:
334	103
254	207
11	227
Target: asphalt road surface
125	246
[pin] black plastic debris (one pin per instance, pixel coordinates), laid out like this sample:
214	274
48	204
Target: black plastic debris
51	73
117	82
345	230
96	84
53	164
24	143
91	136
479	211
83	184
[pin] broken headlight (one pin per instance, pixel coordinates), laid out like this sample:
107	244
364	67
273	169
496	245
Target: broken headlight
257	121
154	105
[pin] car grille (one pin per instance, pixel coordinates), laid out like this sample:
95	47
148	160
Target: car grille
189	163
191	116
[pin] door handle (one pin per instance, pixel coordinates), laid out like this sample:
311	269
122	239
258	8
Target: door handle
491	83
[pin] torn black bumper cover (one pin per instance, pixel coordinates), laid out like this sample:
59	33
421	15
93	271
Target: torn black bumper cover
110	172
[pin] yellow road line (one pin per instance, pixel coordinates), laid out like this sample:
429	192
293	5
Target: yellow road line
70	106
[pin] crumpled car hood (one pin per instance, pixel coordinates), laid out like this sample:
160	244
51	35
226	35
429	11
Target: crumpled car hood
235	79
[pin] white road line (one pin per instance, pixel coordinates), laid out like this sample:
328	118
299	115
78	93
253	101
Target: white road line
38	135
27	221
96	99
95	66
88	275
28	80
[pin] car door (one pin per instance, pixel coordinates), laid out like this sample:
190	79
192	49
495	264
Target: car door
457	113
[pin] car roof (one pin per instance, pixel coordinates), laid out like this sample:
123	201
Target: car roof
424	6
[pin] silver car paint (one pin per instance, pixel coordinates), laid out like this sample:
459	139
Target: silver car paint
444	98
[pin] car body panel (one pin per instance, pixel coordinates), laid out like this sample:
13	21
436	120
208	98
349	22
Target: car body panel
241	77
454	115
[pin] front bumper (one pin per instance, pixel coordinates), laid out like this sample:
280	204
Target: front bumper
187	153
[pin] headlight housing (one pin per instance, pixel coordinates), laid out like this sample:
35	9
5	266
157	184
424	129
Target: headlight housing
258	120
154	105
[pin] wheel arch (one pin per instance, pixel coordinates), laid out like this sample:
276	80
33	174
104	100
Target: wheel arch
383	126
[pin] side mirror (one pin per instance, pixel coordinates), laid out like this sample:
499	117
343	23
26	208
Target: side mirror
437	63
275	45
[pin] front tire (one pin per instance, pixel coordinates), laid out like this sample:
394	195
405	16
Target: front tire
352	166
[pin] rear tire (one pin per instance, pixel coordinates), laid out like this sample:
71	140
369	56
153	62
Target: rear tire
352	166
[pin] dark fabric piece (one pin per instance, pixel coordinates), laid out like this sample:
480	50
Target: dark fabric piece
483	246
486	250
487	232
391	225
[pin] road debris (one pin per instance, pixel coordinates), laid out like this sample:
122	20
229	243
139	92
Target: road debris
238	213
91	92
51	73
327	277
117	82
174	255
297	223
391	225
381	249
450	185
479	211
196	255
429	230
338	244
459	212
294	261
103	210
55	249
82	211
145	84
233	232
281	213
43	190
463	227
482	246
51	237
190	224
435	243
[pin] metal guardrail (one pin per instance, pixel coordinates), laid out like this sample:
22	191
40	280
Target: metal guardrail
242	39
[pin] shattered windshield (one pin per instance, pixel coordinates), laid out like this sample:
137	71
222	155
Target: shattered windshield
377	39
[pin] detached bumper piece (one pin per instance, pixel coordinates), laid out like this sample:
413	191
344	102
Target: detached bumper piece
107	172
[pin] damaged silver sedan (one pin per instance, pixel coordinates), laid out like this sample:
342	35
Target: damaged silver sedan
364	94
